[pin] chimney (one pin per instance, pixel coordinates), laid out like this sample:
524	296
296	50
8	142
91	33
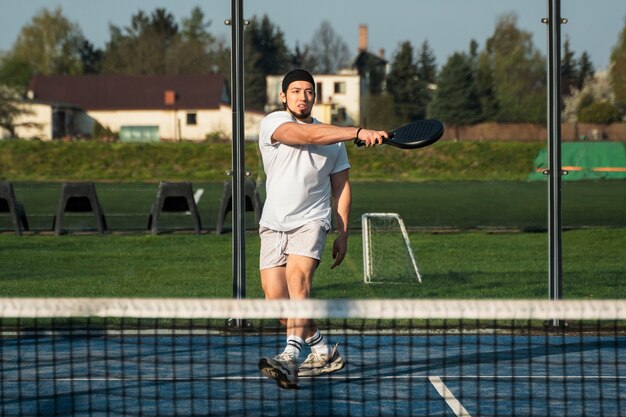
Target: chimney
169	97
362	38
381	53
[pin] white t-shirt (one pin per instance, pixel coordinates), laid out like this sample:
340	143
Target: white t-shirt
298	177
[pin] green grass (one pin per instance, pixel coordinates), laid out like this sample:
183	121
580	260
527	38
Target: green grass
520	205
472	188
205	162
454	265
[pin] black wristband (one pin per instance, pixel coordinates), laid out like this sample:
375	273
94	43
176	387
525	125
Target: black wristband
358	131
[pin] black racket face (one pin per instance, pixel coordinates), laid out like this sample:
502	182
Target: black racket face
416	134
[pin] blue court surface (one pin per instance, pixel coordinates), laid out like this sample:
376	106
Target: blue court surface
387	375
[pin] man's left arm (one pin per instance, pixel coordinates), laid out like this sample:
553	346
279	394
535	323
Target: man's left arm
342	203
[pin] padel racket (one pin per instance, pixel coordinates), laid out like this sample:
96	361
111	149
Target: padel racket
413	135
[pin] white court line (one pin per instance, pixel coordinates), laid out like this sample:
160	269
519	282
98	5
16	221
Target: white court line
589	378
196	197
446	394
198	194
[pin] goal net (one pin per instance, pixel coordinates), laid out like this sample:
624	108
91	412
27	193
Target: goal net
387	253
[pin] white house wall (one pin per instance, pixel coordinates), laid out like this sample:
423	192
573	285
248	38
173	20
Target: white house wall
172	124
42	116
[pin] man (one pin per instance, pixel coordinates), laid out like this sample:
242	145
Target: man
306	166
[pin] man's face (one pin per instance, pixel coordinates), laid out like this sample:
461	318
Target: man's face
299	99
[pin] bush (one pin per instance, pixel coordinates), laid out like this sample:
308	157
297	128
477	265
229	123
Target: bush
104	133
599	112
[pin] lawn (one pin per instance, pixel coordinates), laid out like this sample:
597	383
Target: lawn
518	205
454	265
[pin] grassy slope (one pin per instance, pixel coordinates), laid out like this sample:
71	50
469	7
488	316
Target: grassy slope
97	161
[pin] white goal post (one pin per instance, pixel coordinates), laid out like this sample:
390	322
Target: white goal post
387	252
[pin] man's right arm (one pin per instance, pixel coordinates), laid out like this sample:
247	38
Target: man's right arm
292	133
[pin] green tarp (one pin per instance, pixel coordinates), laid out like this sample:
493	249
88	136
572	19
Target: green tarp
586	161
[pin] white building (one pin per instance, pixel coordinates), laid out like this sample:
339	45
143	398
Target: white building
139	108
339	97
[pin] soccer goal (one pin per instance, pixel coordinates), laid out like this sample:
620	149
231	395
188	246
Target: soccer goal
387	253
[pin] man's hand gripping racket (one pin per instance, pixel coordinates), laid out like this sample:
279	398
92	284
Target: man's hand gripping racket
413	135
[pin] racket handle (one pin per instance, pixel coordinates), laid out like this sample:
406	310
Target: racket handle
359	142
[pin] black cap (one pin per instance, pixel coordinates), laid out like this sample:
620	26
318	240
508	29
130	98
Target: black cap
297	75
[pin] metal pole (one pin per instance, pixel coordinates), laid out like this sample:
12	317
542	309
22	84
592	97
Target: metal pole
554	22
238	174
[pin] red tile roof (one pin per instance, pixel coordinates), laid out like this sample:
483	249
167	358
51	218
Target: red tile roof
132	92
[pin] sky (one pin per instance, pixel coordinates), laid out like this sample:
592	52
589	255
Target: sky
448	25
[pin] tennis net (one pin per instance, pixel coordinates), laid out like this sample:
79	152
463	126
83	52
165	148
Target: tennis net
199	357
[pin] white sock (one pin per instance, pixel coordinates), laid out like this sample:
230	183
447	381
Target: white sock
294	345
318	344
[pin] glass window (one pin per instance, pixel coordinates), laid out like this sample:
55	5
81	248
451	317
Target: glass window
340	87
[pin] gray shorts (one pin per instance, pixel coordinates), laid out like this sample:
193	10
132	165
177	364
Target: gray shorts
307	240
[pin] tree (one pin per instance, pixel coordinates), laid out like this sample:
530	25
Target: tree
426	64
329	51
91	58
195	49
405	87
596	89
15	72
618	71
569	70
265	53
142	47
427	70
303	58
50	44
379	112
485	88
574	73
456	101
10	109
586	70
601	112
518	71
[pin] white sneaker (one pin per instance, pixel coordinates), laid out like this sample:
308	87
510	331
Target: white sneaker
282	369
319	363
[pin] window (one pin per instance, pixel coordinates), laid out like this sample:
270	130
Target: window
192	119
340	87
318	93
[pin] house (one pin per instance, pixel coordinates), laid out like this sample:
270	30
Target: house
341	98
373	68
138	107
338	97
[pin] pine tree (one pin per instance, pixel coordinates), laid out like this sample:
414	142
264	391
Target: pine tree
456	101
405	87
426	64
265	53
586	70
569	70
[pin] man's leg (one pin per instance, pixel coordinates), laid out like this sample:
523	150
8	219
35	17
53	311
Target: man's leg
299	278
292	281
283	367
323	358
